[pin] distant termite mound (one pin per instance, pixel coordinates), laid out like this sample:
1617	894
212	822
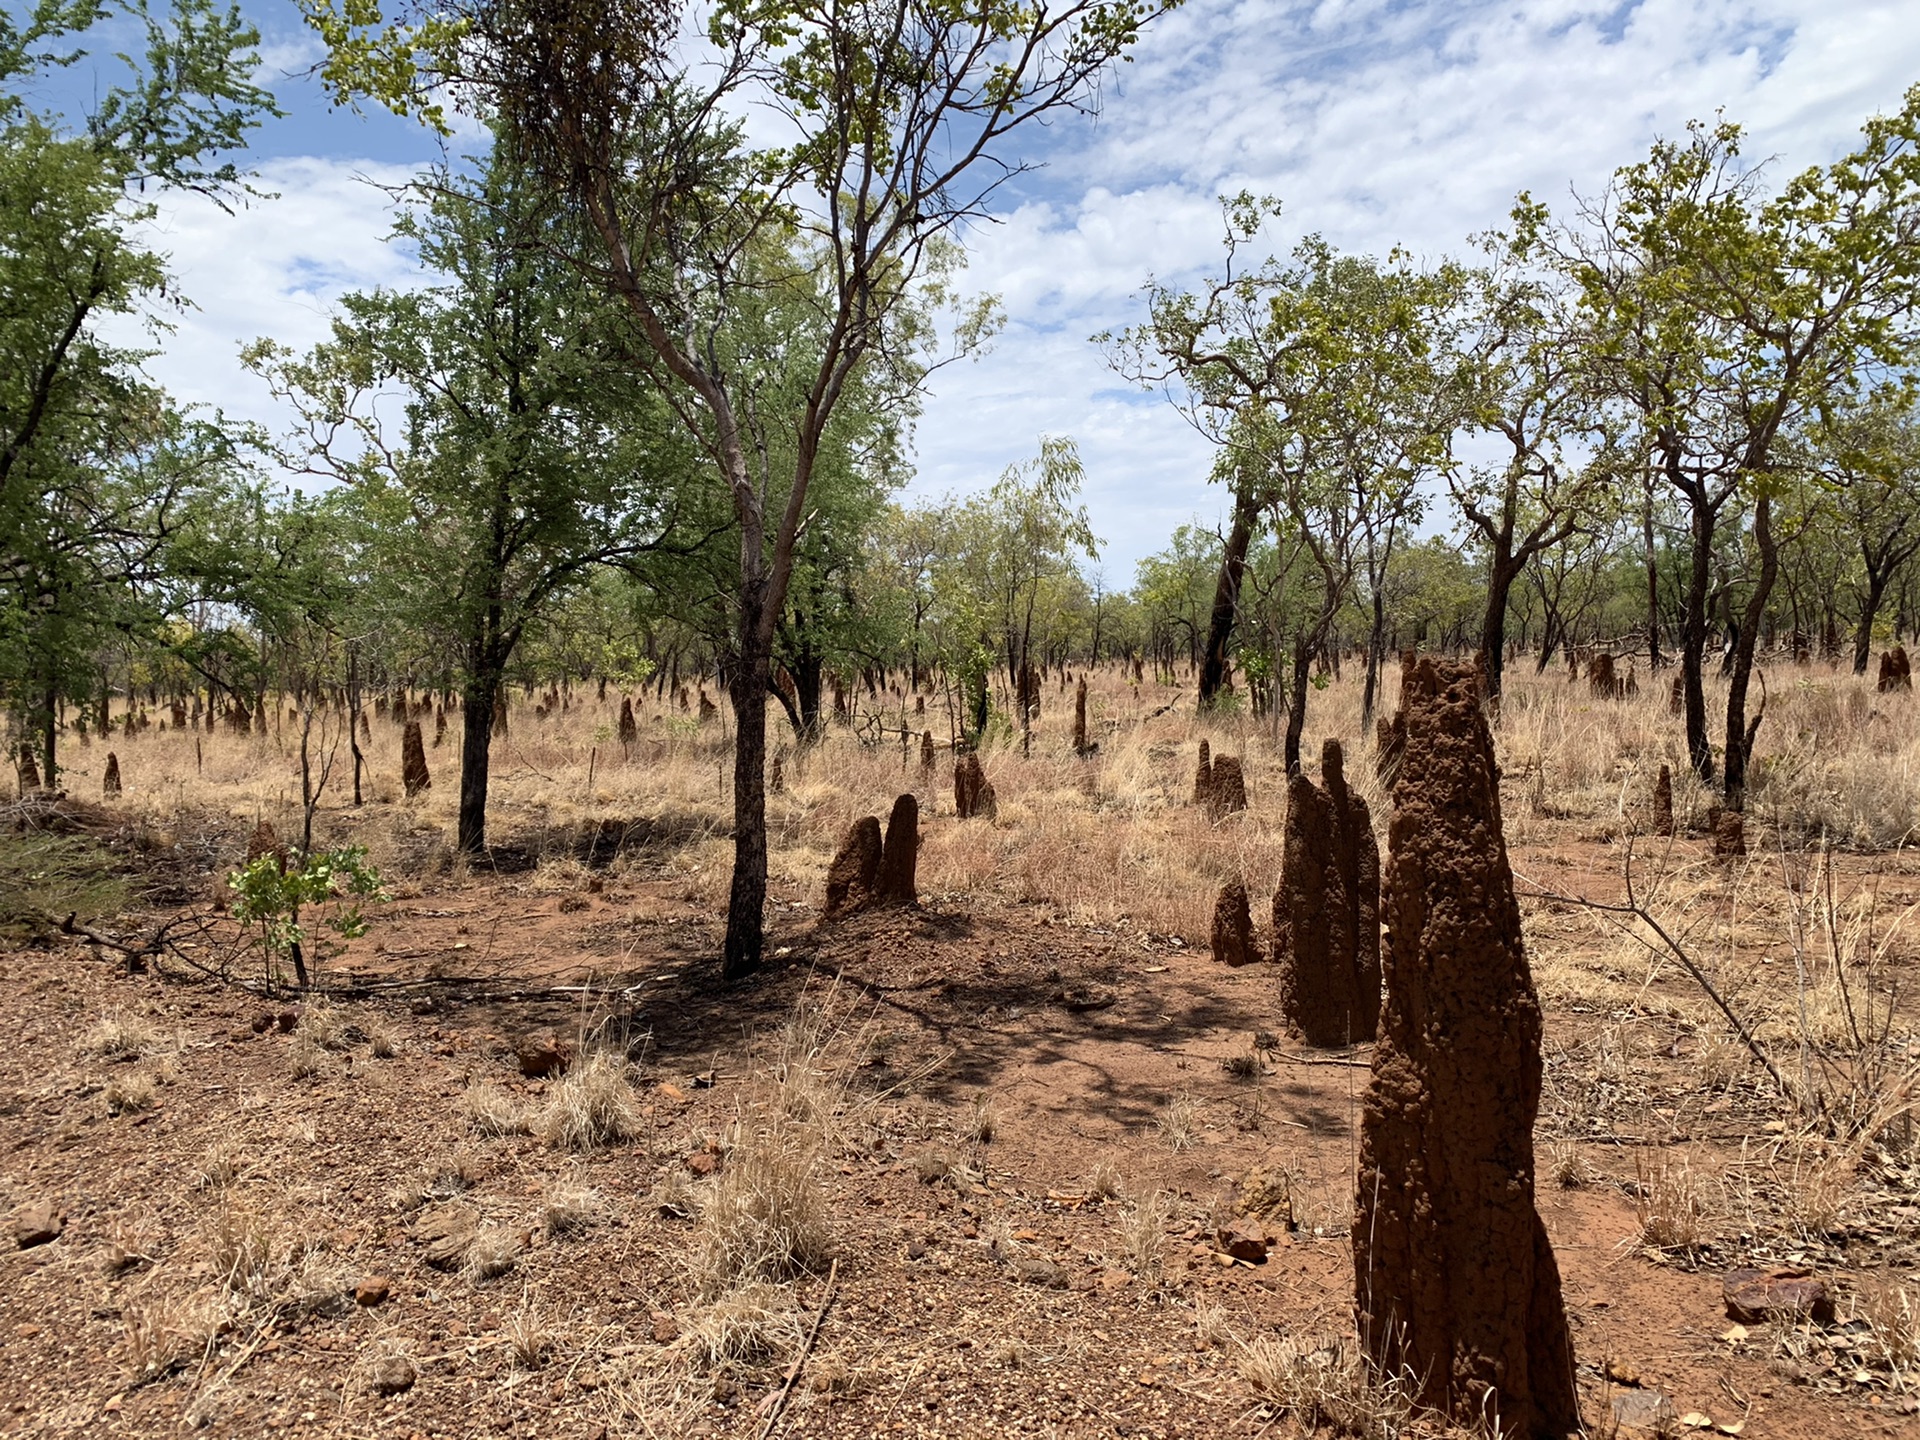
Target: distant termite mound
629	728
413	760
1203	776
1080	745
110	782
1233	926
900	853
1326	913
29	771
1677	696
1663	802
1601	681
926	754
264	842
1728	830
1896	671
853	877
1228	794
1457	1289
973	795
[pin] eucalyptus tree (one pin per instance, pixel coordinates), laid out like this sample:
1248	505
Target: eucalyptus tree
897	125
1723	319
98	467
1870	455
1324	376
1520	362
499	452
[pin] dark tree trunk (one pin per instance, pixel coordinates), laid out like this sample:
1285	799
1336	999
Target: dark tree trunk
1738	735
746	901
1869	609
1653	584
477	700
1693	642
1376	656
1297	708
1493	629
1226	596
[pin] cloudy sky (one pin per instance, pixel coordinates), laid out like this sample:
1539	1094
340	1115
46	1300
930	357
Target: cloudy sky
1377	122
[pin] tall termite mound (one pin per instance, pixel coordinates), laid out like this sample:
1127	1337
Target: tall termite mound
926	755
1663	802
1456	1286
1080	745
413	760
1203	776
1233	926
853	877
1326	914
900	853
29	771
1896	671
110	782
265	842
629	730
1601	680
972	791
1228	794
1677	696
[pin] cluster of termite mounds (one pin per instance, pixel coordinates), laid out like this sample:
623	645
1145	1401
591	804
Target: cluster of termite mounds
1456	1286
870	869
1219	783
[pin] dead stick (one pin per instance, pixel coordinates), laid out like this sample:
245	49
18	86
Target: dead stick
800	1360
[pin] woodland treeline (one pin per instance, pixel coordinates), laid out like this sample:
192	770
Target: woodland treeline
647	419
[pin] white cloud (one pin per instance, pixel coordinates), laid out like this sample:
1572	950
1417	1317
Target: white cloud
1377	121
273	269
1377	124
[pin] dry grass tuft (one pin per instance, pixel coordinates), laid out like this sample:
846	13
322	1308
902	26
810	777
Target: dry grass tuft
220	1165
984	1122
307	1057
164	1333
530	1340
743	1330
766	1216
572	1210
1669	1205
1105	1182
130	1092
491	1111
495	1251
118	1034
1143	1233
1566	1167
1323	1382
593	1105
1177	1123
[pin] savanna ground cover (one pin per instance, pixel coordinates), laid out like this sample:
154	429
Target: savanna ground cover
968	1169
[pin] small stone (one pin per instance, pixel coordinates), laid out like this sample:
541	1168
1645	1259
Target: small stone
262	1023
394	1375
666	1329
1115	1279
1642	1410
1752	1296
38	1223
372	1291
1243	1242
703	1162
447	1233
542	1055
286	1020
1032	1270
916	1249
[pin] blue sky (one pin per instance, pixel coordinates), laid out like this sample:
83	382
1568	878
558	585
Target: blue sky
1377	122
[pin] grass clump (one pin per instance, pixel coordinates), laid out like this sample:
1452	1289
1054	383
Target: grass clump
593	1105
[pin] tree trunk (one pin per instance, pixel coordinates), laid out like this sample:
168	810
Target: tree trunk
1869	608
746	901
1376	656
1226	596
1653	584
1493	629
1693	643
1297	709
1736	776
476	741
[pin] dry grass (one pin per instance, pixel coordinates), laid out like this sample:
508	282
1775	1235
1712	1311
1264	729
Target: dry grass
1178	1123
489	1110
1143	1233
744	1329
130	1092
572	1210
118	1034
591	1106
1323	1382
1669	1205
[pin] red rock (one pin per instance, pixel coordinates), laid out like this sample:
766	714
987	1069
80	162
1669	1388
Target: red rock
542	1055
372	1291
703	1162
1243	1242
1753	1296
37	1223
